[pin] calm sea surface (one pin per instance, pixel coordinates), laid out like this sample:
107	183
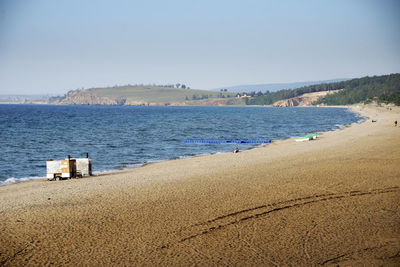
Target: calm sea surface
118	137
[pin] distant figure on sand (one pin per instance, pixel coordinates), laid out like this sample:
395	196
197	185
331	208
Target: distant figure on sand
236	150
395	123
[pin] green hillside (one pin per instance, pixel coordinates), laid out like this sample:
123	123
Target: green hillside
157	94
385	88
139	95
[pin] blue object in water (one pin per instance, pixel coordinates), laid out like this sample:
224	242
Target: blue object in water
229	141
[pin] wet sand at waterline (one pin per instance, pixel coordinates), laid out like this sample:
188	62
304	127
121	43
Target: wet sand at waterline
334	200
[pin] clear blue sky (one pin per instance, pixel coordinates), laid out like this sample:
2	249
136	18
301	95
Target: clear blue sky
49	46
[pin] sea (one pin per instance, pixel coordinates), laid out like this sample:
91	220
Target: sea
121	137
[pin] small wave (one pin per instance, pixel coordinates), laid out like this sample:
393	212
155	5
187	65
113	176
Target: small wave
119	168
13	180
103	171
187	156
362	119
260	145
340	126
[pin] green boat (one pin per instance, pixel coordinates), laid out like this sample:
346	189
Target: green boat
307	137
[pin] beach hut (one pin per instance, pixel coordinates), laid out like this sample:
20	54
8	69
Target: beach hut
53	169
84	166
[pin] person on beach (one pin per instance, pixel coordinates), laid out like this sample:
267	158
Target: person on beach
236	150
395	123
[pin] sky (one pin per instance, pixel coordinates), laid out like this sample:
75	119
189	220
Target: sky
51	47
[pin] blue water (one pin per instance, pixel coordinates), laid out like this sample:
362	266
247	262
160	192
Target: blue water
118	137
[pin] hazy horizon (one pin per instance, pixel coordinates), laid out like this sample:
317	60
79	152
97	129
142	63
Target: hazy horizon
256	87
50	47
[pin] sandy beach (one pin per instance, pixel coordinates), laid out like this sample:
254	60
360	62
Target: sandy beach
331	201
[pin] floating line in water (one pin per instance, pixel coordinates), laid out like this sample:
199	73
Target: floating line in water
229	141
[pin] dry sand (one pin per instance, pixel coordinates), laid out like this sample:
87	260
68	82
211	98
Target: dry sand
331	201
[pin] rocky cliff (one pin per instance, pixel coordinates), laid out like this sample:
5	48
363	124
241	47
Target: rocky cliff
86	98
303	100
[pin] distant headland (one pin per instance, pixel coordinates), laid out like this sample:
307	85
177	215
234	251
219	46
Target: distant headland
381	89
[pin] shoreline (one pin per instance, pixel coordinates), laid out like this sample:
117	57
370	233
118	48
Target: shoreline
331	201
140	165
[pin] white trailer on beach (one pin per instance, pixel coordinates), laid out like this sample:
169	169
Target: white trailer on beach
61	169
68	168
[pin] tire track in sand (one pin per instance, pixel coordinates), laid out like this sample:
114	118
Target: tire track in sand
226	220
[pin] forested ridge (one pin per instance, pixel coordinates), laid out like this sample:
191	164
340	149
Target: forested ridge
385	88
